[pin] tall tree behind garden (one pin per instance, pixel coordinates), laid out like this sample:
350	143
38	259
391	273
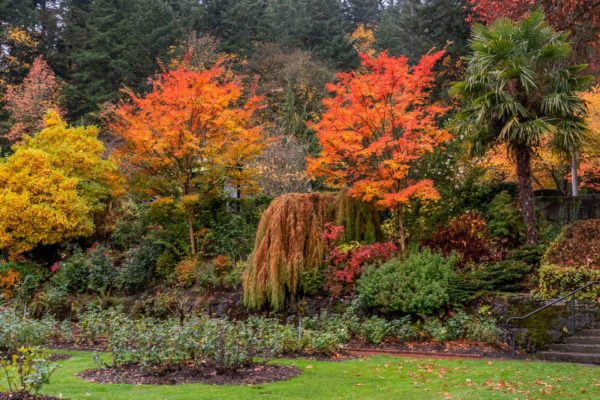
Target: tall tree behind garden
117	43
412	28
379	122
189	137
364	12
314	25
519	91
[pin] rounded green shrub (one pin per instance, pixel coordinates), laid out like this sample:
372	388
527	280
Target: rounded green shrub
417	284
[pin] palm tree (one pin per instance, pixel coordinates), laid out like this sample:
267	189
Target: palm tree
518	89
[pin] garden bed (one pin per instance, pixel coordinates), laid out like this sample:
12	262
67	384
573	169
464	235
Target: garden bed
133	374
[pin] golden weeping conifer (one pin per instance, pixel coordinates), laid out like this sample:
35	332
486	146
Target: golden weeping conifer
290	240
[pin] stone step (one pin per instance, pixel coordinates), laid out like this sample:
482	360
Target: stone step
590	332
582	358
576	348
583	340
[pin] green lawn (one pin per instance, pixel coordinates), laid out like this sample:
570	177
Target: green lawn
371	378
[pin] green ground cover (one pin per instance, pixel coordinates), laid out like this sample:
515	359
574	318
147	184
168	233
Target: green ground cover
379	377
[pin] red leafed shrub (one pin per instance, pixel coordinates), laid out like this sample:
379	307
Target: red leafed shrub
467	235
578	245
347	261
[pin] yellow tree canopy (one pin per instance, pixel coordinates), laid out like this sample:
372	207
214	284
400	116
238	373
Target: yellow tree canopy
52	185
39	204
78	153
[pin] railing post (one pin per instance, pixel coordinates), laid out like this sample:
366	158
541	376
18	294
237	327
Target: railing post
513	342
574	322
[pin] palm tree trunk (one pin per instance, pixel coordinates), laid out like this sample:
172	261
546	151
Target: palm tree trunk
574	168
526	201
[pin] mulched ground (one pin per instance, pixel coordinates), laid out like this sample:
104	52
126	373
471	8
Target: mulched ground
24	396
131	374
457	348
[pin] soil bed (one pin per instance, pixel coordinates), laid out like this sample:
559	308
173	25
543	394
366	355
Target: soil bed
132	374
25	396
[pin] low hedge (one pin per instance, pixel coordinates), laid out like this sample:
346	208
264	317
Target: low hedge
557	280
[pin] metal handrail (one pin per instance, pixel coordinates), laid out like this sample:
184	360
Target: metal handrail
553	302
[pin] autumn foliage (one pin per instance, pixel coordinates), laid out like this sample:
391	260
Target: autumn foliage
578	245
9	281
466	235
189	136
30	100
346	261
589	168
380	120
52	185
293	237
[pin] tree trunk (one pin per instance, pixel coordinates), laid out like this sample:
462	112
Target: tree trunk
526	201
190	222
574	168
400	230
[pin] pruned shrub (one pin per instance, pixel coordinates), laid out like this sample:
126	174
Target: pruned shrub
578	245
139	266
417	284
506	276
18	330
556	280
467	235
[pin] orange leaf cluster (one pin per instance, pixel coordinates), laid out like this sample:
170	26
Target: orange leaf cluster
192	133
9	281
589	168
380	120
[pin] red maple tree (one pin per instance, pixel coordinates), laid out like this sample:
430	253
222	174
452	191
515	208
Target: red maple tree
380	120
29	101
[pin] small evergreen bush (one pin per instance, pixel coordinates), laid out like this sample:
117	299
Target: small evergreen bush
415	285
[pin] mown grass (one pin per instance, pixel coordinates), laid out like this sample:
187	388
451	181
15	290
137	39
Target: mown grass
378	377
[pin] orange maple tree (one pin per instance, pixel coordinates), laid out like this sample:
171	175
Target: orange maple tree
380	120
189	137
